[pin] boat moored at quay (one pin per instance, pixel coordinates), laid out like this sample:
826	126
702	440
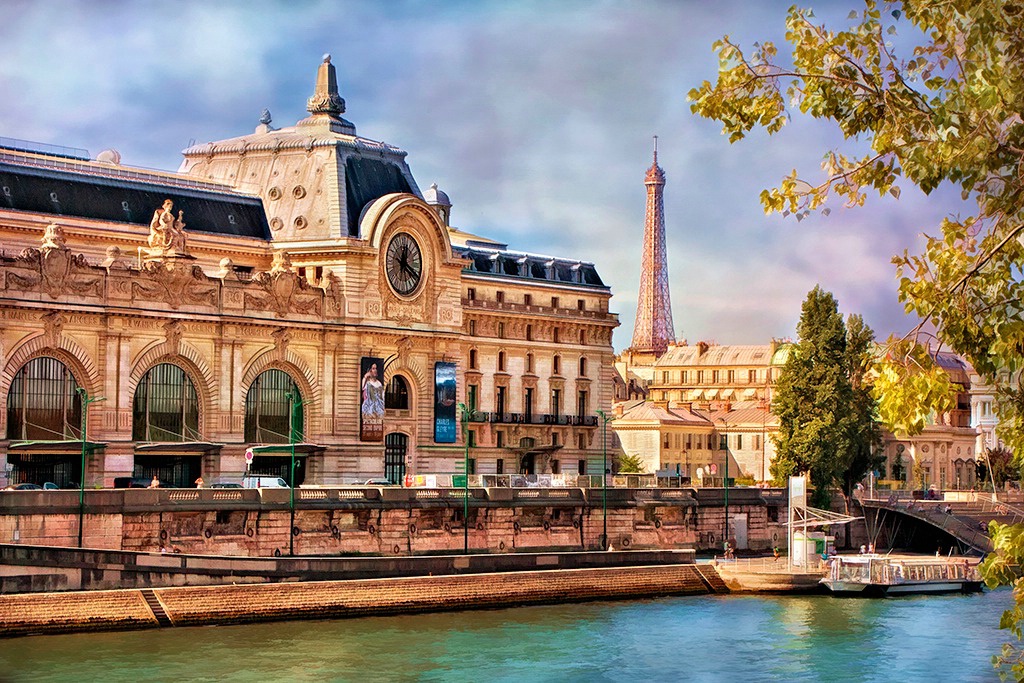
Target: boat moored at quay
884	575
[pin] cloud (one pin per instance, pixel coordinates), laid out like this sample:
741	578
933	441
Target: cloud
535	117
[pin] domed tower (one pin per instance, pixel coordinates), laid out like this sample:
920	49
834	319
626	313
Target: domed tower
316	177
653	330
439	200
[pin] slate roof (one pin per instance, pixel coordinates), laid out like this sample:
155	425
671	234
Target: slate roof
66	187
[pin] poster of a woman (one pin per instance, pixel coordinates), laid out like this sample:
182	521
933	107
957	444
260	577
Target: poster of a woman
371	413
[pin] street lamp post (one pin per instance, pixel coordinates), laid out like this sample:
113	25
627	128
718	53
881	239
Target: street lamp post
604	478
726	451
293	404
465	413
86	400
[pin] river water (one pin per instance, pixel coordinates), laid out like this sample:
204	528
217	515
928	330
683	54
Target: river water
705	638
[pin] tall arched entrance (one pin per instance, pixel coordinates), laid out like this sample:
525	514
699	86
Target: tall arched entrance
44	418
395	446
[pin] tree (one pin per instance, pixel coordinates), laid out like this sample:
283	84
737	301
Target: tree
949	111
631	464
865	430
826	414
945	109
1001	462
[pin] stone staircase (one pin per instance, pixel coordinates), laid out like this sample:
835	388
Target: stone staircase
149	595
711	578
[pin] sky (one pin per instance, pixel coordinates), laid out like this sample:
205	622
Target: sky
536	118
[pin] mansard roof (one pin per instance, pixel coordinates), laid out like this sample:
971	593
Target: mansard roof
66	186
712	355
503	263
662	413
372	169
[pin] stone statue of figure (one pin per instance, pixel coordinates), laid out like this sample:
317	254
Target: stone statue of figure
167	233
53	238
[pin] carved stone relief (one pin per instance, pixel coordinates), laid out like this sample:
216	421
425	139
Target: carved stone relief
172	330
53	327
53	269
175	283
281	338
284	291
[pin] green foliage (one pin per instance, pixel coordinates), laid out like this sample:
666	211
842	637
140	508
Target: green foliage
1003	568
826	412
631	464
947	110
1003	467
910	387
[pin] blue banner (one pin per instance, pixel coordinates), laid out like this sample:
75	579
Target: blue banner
444	402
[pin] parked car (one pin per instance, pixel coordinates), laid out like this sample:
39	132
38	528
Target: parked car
226	485
26	486
263	482
50	486
378	482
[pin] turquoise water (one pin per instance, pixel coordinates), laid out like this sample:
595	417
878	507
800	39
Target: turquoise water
707	638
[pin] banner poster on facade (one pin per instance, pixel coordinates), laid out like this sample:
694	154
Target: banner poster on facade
371	411
444	402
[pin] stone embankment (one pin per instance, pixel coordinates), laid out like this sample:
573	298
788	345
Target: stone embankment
209	605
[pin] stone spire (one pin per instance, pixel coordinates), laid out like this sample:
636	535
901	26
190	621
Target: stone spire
326	105
653	330
325	99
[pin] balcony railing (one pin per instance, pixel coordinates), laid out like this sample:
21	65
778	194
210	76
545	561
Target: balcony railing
535	419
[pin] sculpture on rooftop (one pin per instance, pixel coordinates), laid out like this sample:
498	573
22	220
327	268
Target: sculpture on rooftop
167	232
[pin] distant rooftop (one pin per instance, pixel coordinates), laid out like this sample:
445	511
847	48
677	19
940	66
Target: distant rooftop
43	148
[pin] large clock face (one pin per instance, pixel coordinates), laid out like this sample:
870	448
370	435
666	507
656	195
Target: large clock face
403	263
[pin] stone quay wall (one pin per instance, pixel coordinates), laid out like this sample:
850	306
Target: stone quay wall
383	521
208	605
40	569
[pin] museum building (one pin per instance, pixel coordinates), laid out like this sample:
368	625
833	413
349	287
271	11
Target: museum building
288	298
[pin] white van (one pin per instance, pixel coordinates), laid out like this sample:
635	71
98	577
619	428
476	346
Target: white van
264	482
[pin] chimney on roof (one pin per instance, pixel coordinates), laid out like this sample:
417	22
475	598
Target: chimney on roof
702	348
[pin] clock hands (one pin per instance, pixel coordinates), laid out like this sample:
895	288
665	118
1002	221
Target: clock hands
406	264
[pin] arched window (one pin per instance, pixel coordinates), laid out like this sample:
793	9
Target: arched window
268	408
43	403
396	396
166	407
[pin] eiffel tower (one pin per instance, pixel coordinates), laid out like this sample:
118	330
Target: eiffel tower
653	330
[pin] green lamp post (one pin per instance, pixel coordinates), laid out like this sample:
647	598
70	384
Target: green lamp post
294	402
86	400
604	477
465	414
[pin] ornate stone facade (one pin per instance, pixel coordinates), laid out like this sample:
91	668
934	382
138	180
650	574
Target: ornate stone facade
239	317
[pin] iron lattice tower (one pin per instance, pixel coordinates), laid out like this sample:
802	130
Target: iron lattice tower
653	331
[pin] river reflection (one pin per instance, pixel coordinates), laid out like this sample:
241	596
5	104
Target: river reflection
708	638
